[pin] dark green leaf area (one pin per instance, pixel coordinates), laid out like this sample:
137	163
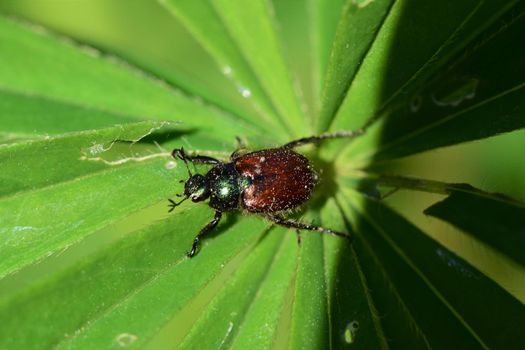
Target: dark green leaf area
399	327
462	287
442	293
495	220
480	95
352	314
420	308
400	330
417	39
424	28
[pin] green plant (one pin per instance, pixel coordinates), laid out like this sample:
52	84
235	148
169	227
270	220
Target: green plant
89	257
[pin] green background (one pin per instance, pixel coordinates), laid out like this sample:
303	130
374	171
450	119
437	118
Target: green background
166	42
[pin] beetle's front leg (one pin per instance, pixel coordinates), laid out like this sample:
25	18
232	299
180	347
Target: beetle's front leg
179	153
210	226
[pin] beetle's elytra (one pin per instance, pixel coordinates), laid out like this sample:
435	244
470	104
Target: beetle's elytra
267	182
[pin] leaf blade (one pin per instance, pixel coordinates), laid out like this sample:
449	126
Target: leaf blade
404	55
81	78
123	273
261	48
201	19
432	263
467	102
489	217
26	169
356	32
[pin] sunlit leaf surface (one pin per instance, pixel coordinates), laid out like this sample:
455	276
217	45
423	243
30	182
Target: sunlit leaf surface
90	258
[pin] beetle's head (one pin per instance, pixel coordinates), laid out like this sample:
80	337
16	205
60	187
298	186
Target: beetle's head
196	188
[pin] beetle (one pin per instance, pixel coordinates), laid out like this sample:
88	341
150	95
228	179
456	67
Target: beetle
267	182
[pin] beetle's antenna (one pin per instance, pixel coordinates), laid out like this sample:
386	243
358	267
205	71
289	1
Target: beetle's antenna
173	204
179	153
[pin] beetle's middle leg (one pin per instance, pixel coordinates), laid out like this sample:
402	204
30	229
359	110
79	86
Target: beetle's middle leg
324	136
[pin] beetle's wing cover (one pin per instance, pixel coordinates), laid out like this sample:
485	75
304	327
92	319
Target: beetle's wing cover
281	179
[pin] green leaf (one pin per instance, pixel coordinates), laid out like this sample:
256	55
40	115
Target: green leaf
492	218
308	26
201	19
29	116
407	49
163	48
352	313
268	318
28	235
326	15
467	102
261	47
30	166
141	275
81	78
90	256
438	292
356	32
309	326
229	306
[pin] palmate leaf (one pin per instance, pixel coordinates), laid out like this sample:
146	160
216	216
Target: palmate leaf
90	258
438	292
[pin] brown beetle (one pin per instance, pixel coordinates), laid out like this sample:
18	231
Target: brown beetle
265	182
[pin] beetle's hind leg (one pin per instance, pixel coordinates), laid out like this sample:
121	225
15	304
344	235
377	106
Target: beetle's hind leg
210	226
325	136
290	223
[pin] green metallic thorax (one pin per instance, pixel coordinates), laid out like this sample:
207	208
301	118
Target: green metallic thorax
225	187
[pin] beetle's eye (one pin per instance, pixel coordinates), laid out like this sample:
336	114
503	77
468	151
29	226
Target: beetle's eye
196	188
197	194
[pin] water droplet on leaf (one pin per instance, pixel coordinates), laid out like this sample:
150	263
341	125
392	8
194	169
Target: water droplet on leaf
227	70
170	165
125	339
245	92
351	332
455	92
415	103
